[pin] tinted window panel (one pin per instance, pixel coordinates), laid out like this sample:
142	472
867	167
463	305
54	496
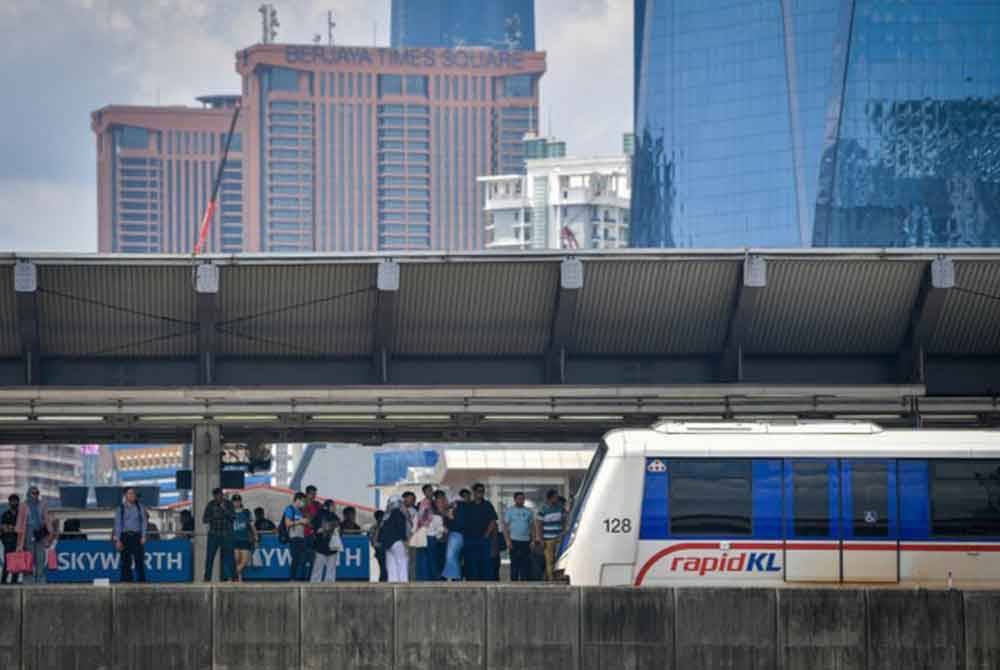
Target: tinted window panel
811	499
711	497
965	498
870	495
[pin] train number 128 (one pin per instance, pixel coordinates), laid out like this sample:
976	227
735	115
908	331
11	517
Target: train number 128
618	525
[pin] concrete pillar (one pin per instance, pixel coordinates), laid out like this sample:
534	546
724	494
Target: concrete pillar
206	449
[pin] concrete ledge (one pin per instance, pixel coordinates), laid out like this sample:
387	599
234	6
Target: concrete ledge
533	627
347	628
440	627
10	630
627	629
915	629
66	627
163	627
821	628
726	628
257	627
982	630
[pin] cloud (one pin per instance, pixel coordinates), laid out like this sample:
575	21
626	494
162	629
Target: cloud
48	216
65	58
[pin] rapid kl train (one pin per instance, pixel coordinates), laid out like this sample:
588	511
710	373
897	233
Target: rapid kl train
737	504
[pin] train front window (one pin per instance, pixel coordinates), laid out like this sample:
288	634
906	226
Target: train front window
811	499
965	498
711	498
581	496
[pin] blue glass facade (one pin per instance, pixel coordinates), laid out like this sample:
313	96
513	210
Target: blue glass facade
817	122
499	24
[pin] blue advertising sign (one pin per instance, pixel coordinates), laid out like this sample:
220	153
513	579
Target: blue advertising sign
86	560
275	560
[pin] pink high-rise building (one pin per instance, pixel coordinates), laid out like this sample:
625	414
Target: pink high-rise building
155	169
337	149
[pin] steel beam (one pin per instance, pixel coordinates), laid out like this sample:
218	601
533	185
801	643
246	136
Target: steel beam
745	300
939	279
26	294
563	320
386	301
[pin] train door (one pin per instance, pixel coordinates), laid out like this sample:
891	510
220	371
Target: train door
812	520
870	518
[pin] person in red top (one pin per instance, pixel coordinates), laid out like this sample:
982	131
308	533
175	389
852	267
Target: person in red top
309	512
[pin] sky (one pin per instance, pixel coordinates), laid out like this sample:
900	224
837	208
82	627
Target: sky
63	59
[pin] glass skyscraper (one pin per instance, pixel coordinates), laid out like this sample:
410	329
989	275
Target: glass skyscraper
786	123
498	24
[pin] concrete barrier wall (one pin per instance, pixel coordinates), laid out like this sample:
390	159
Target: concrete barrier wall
381	627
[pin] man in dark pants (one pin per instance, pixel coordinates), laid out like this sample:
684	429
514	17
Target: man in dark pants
519	525
218	516
129	536
480	526
8	535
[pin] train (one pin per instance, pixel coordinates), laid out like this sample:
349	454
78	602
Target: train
786	504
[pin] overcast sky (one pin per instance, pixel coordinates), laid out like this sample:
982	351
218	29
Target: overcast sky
62	59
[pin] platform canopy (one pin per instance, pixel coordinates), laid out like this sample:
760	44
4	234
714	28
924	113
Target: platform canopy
540	323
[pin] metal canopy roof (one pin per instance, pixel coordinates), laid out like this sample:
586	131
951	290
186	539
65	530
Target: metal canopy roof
636	302
823	329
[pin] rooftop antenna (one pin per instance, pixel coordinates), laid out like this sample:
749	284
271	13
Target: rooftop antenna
330	25
268	23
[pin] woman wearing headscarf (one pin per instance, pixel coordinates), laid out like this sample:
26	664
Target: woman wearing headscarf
35	533
393	538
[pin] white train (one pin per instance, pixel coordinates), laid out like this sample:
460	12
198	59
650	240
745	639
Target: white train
797	503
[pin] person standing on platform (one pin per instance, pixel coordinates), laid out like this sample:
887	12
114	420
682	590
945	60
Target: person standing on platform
35	534
374	536
349	524
479	527
437	536
8	535
218	516
261	523
309	512
129	537
295	527
326	543
244	537
420	535
393	537
519	528
552	521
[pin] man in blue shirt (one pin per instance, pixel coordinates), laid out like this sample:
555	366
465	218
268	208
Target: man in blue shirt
129	537
519	524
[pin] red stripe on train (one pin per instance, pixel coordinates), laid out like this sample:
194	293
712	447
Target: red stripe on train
814	546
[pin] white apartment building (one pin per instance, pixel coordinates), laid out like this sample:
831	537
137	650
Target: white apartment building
560	203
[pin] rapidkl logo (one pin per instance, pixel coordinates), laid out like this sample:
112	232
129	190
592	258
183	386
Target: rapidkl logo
746	561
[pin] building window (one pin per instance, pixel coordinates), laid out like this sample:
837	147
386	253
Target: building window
518	86
282	79
711	498
390	84
237	144
965	498
133	137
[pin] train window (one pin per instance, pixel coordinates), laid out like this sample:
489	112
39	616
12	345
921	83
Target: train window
811	498
965	498
711	497
870	497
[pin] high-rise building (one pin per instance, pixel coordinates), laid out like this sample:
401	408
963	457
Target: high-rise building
497	24
155	170
362	149
47	466
560	202
817	122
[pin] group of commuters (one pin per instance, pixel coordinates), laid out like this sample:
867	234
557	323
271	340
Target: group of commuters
313	530
458	539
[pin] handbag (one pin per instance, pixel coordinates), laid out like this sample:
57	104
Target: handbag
51	560
336	544
419	538
19	562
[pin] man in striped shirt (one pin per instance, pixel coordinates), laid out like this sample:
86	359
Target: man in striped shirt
553	522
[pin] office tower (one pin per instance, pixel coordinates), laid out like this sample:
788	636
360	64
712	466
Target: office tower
47	466
155	170
497	24
560	202
363	149
817	122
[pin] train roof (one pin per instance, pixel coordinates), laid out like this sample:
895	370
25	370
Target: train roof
848	439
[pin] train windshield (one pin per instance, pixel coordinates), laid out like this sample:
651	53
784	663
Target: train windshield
581	495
